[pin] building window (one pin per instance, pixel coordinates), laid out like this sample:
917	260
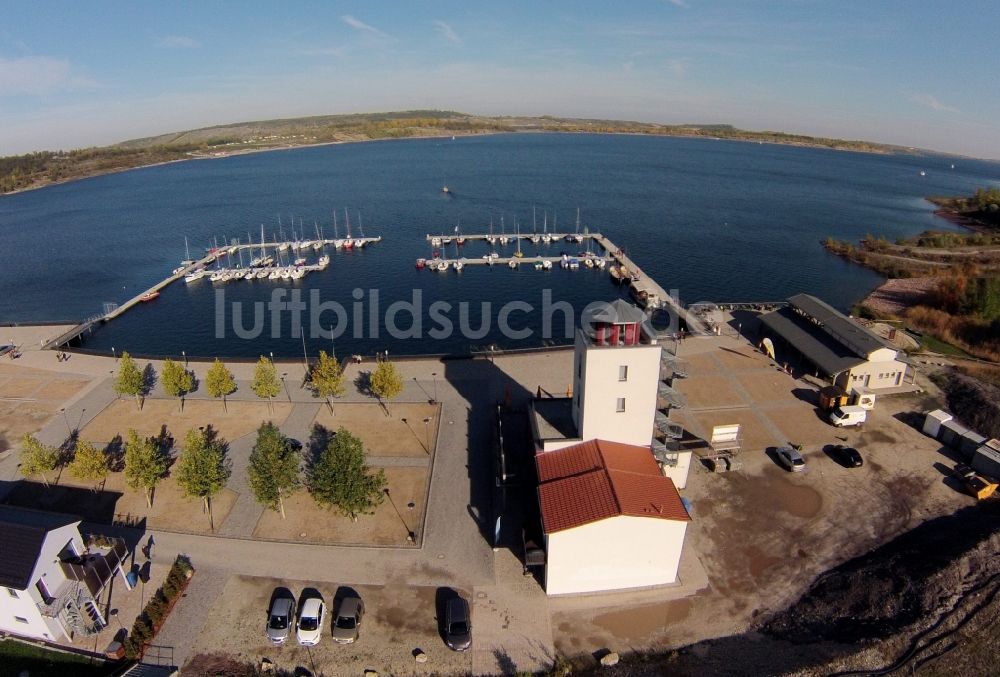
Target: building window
621	405
12	592
21	619
623	372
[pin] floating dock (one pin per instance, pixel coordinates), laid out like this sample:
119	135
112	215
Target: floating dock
644	288
210	257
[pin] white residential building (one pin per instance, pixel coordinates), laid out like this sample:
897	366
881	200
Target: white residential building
51	582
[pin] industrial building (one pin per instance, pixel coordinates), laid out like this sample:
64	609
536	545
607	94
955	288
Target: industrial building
823	340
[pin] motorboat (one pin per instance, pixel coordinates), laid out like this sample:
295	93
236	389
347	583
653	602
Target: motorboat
458	266
149	296
421	263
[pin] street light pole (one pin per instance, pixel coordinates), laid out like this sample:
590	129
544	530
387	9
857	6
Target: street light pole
427	438
434	376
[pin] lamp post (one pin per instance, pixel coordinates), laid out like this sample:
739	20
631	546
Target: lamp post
184	355
114	354
427	438
435	377
410	536
66	419
285	386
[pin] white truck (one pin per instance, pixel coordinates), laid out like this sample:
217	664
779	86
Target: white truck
848	415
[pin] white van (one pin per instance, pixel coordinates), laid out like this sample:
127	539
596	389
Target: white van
848	415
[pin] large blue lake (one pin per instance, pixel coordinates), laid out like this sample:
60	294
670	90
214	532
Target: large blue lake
717	220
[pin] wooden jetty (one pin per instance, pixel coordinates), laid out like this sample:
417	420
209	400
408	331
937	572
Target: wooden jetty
210	257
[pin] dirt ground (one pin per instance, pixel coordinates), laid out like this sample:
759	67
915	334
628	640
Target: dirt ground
242	418
387	435
399	619
114	501
29	397
306	521
763	534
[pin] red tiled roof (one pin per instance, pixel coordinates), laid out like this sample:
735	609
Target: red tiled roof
595	480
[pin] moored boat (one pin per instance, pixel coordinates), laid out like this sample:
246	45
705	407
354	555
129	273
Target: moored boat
149	296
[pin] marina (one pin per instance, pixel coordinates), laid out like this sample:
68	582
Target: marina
622	269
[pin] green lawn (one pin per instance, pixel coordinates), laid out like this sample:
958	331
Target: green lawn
928	342
17	656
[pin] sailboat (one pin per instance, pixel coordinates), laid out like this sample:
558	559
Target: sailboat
337	242
187	254
491	239
534	227
546	238
503	233
348	243
518	253
459	240
360	242
318	244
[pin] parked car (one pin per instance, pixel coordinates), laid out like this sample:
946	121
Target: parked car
457	624
346	626
280	619
791	458
848	456
310	625
848	415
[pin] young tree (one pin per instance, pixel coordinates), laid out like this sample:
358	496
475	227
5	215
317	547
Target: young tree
273	472
37	458
328	378
265	380
386	383
340	479
89	464
220	382
130	381
177	381
145	466
202	470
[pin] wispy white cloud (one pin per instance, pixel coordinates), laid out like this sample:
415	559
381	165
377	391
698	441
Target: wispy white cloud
322	51
932	102
38	75
177	42
447	31
679	3
677	66
361	26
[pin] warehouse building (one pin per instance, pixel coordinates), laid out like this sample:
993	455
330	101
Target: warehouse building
826	342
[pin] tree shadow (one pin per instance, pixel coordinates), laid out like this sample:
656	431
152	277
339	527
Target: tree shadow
164	442
148	383
319	440
195	382
363	382
115	453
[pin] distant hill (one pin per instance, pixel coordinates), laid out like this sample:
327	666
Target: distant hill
34	170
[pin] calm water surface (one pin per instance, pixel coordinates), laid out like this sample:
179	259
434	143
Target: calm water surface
717	220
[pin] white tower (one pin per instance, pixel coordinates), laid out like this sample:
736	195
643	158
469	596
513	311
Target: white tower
616	372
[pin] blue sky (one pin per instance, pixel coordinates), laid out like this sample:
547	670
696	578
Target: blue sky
917	72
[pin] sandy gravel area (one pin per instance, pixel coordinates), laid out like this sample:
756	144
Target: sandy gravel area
390	525
893	297
29	397
399	620
386	435
242	418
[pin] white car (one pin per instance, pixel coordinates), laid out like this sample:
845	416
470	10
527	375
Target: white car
310	626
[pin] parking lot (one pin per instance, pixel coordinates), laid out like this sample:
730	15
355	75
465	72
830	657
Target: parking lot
399	620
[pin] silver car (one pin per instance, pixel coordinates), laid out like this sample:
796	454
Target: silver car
310	625
791	459
280	619
346	625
